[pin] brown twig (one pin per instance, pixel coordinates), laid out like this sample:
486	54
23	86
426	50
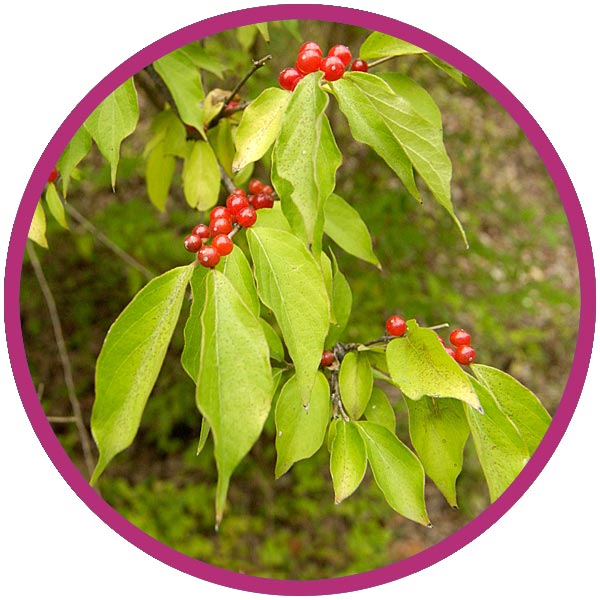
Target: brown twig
64	358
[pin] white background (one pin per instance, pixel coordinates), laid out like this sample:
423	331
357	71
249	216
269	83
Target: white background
52	54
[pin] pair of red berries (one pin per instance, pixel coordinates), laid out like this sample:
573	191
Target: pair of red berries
310	59
462	352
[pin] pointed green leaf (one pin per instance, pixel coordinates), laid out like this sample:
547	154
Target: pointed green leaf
290	283
331	431
500	449
448	69
263	29
300	429
170	131
439	431
356	383
305	160
327	271
160	168
341	305
274	341
397	471
380	411
348	462
344	225
183	80
381	45
204	432
235	401
518	403
112	121
130	360
201	176
37	228
221	141
272	218
259	126
203	59
190	357
77	149
397	132
236	268
420	366
246	35
55	205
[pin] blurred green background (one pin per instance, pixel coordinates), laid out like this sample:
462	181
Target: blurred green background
515	289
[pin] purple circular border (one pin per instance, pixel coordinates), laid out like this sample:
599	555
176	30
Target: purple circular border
185	563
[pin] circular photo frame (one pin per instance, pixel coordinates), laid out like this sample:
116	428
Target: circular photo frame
422	557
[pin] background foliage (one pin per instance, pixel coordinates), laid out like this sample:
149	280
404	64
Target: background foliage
516	290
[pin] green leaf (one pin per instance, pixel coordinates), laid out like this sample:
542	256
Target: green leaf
341	305
272	218
246	35
201	176
190	357
500	449
112	121
236	268
356	383
76	150
232	394
259	126
204	432
381	45
290	283
517	402
170	131
300	429
292	27
380	411
439	431
160	168
344	225
274	341
348	462
37	228
130	360
448	69
420	366
56	206
397	132
263	29
204	60
397	471
221	141
183	80
305	161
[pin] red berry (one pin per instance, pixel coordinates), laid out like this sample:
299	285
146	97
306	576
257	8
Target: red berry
202	231
267	189
459	337
219	212
220	225
208	256
236	203
262	200
395	325
359	65
308	61
53	175
247	217
342	52
310	46
464	355
231	105
223	244
252	200
238	192
332	67
450	352
255	186
192	243
289	78
327	358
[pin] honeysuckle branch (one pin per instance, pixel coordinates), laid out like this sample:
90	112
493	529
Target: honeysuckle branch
64	358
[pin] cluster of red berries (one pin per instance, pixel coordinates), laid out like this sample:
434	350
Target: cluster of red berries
310	59
462	352
240	208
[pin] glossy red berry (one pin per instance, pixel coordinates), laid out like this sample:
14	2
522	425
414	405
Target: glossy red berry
221	225
246	217
342	52
223	244
267	189
327	358
308	61
236	203
310	46
359	65
464	355
192	243
208	257
332	67
202	231
255	186
395	325
219	212
262	200
459	337
450	351
53	175
289	78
